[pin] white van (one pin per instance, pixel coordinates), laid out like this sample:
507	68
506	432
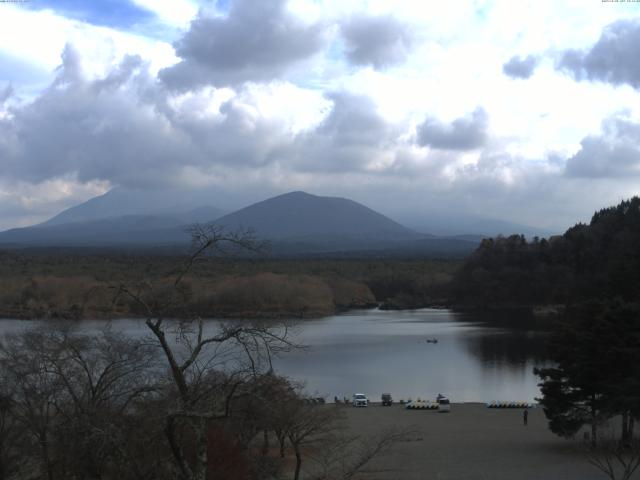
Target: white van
360	400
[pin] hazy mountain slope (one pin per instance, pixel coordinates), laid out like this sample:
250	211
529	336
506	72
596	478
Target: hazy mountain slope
120	202
461	225
126	230
296	223
299	216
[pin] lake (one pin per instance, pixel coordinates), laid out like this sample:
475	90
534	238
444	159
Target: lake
376	351
476	358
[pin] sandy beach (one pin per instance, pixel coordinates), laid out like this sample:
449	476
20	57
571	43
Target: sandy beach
471	442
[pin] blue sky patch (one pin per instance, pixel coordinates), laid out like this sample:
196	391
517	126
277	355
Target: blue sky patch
17	72
108	13
223	5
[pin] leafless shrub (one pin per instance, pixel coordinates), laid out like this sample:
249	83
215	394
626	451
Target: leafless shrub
617	460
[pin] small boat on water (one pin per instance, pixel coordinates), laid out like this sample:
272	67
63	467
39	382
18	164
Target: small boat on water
432	340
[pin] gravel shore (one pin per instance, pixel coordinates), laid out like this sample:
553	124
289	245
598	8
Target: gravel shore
471	442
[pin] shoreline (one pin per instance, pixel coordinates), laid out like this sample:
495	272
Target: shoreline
541	312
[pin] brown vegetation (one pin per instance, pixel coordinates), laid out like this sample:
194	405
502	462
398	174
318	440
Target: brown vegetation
74	286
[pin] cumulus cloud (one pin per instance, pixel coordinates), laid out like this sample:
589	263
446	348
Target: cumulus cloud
613	153
465	133
257	41
228	118
379	41
615	57
354	120
518	67
100	129
125	128
353	137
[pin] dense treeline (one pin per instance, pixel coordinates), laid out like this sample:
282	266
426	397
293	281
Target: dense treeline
593	271
595	382
65	285
598	260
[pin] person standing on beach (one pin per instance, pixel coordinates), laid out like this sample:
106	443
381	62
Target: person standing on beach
525	416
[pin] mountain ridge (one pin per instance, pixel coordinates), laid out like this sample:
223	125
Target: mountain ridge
300	215
294	223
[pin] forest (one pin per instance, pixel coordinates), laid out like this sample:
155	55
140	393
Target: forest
596	260
74	285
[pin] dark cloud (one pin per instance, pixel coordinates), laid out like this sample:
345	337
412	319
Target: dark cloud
349	139
614	59
466	133
257	41
518	67
92	128
121	128
614	153
354	120
379	41
127	129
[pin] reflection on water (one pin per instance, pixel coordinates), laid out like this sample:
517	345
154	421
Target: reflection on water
505	347
375	351
378	351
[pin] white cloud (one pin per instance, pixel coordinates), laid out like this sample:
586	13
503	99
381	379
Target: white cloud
24	203
172	12
307	113
39	37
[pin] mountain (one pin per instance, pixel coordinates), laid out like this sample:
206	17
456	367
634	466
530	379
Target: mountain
300	223
456	225
119	202
125	230
129	230
300	217
295	223
120	217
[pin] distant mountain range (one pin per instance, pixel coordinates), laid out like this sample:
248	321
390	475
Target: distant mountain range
473	225
120	202
295	223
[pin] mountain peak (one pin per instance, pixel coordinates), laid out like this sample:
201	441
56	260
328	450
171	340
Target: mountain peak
301	216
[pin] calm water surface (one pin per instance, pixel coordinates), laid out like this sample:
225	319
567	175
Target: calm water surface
373	351
377	351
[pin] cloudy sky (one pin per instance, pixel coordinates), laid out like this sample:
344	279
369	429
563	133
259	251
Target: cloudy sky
527	111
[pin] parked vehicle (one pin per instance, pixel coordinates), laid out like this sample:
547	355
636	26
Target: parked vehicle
360	400
387	400
444	405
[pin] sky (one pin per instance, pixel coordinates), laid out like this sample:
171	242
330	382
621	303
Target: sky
524	111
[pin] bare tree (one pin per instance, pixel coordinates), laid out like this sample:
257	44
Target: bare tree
318	434
308	424
344	456
616	459
72	394
9	434
99	378
35	396
194	355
